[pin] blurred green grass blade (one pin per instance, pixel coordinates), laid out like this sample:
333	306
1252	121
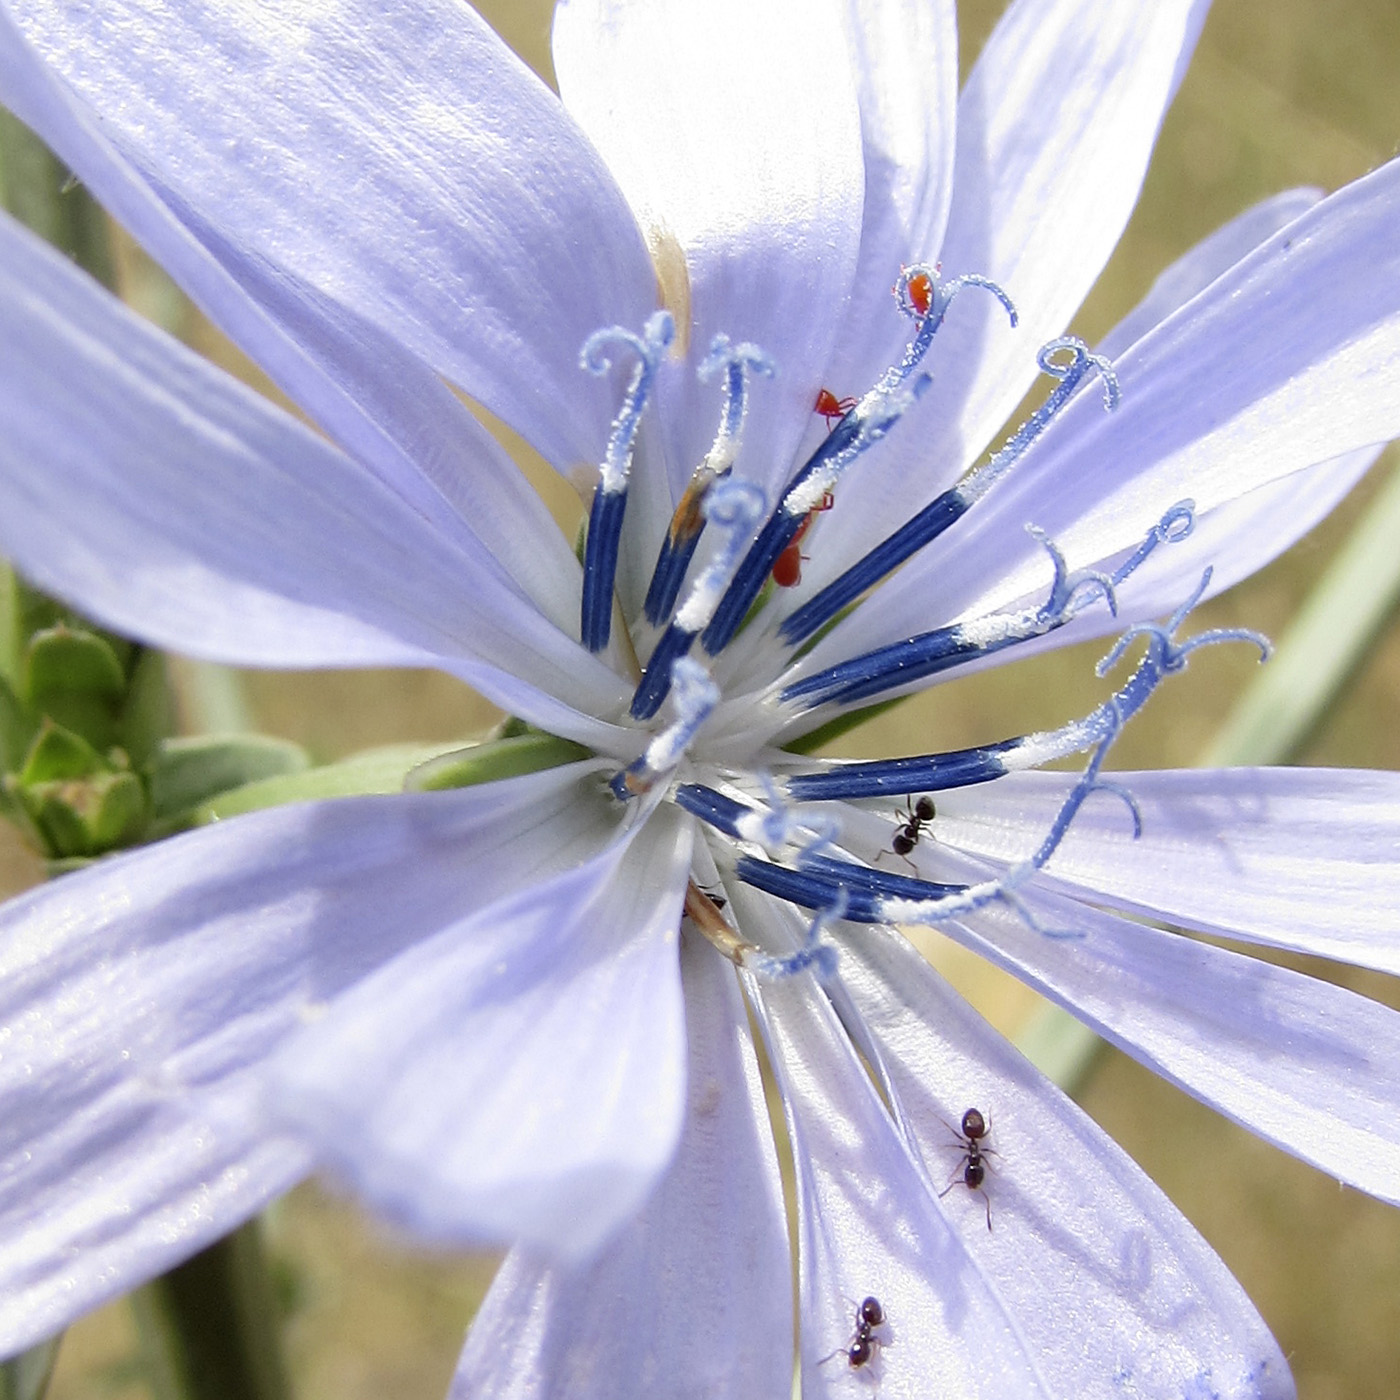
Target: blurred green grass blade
26	1376
1280	709
1323	646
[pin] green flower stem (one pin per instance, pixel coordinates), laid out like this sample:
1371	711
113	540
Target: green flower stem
36	188
26	1376
1278	712
209	1327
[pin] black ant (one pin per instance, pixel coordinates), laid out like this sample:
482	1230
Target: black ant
912	821
865	1343
714	896
973	1166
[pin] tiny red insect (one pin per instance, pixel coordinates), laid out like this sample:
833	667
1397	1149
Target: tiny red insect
787	567
921	292
831	408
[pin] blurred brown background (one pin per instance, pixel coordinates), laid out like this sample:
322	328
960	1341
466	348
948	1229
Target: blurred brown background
1281	93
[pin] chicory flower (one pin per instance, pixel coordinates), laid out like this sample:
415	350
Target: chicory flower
486	1008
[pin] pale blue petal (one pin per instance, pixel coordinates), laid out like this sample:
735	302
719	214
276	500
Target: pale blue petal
375	398
139	997
1304	1064
1206	414
404	164
906	64
694	1294
734	131
1195	270
1112	1287
1055	127
170	502
869	1222
521	1076
1298	858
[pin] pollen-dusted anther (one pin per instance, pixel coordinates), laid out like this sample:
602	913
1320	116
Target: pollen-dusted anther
870	420
678	546
967	767
610	499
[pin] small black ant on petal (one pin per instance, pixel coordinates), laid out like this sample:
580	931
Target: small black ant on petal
911	823
973	1166
865	1343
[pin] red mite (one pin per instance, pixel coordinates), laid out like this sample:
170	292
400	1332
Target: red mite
831	408
921	292
787	567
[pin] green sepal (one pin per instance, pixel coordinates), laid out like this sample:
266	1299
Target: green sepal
58	754
62	658
17	728
188	772
490	762
78	677
86	816
374	771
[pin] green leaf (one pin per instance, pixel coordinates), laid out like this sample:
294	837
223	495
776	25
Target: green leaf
148	713
187	772
17	729
490	762
375	771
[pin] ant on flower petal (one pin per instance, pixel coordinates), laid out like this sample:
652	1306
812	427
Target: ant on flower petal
973	1166
865	1342
911	823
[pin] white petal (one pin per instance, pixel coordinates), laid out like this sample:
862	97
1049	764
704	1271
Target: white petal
522	1074
734	131
376	399
1055	127
169	501
869	1223
405	165
693	1296
1302	1063
906	63
139	997
1107	1279
1213	256
1297	858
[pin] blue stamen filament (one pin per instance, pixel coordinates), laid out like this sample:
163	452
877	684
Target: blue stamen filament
946	509
678	545
915	658
735	507
870	895
610	499
869	421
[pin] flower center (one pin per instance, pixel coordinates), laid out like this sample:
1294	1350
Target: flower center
764	829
